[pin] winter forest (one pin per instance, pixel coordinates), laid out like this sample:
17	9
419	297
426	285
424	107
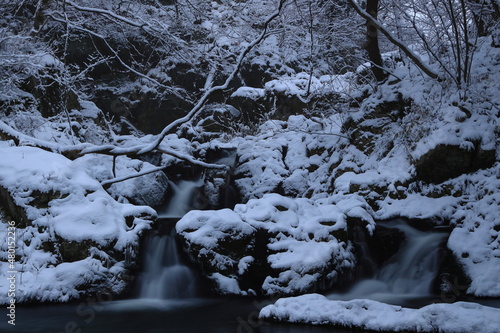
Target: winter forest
249	166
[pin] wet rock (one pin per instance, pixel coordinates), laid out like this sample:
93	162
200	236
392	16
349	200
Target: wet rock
449	161
385	243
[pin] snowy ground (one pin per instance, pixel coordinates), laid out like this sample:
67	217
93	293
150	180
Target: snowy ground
460	317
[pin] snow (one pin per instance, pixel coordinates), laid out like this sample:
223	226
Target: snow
301	84
248	92
78	211
205	228
308	239
460	317
145	190
324	180
284	155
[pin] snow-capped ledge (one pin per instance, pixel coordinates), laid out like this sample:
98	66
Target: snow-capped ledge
460	317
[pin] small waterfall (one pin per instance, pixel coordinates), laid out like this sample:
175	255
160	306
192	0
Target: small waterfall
181	202
409	274
414	268
164	276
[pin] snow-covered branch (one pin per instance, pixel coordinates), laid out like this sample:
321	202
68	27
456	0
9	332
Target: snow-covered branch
156	145
73	151
109	182
139	150
396	41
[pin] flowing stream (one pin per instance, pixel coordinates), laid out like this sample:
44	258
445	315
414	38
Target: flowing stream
167	302
409	274
182	199
166	298
164	275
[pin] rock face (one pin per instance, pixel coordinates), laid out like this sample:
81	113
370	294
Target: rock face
149	111
285	97
271	246
450	161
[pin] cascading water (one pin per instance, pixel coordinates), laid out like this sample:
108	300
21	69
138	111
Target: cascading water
181	201
164	276
409	274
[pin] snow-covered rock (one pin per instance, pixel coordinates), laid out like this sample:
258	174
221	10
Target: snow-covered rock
460	317
71	237
274	245
148	190
470	204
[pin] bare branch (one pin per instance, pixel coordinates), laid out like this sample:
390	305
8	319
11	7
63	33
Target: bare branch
393	39
73	151
139	150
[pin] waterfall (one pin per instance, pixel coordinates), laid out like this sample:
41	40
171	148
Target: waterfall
164	276
181	202
409	274
414	268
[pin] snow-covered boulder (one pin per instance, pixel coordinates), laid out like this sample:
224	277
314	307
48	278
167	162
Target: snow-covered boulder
221	243
460	317
274	245
251	102
71	236
287	158
148	190
475	239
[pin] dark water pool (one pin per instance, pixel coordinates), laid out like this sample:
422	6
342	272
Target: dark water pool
151	316
160	316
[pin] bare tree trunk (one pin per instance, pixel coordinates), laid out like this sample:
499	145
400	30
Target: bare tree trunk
372	46
393	39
